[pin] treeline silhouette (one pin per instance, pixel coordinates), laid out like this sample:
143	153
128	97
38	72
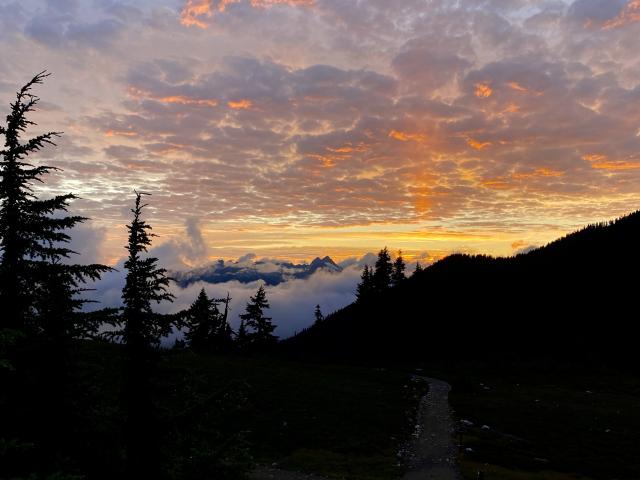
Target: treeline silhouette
41	403
571	302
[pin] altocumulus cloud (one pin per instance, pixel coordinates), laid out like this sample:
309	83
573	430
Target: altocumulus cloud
514	114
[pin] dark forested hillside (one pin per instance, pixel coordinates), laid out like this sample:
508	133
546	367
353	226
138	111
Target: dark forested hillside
573	300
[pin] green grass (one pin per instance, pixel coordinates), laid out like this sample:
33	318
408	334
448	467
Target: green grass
342	422
349	422
549	426
336	421
493	472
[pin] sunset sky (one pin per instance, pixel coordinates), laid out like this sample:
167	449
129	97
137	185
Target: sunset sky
296	128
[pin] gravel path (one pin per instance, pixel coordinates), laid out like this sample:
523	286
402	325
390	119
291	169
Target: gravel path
433	452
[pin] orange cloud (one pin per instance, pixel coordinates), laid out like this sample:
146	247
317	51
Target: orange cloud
630	14
341	149
195	12
517	87
495	184
539	172
616	165
171	148
511	108
422	200
178	99
349	148
120	133
483	90
593	157
518	244
522	89
406	137
222	4
477	145
326	161
601	162
240	104
184	100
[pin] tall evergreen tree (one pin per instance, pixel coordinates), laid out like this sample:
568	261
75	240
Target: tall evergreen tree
39	286
398	276
261	334
242	337
145	283
203	321
418	268
365	287
383	271
318	315
38	290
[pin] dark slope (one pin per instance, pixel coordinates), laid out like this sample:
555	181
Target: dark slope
576	299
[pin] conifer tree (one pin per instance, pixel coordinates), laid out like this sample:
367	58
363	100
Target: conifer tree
145	283
39	286
203	321
383	271
38	290
242	338
365	287
418	268
261	334
398	276
318	315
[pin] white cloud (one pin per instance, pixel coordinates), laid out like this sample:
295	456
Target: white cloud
292	302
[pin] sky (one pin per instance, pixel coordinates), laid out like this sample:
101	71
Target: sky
298	128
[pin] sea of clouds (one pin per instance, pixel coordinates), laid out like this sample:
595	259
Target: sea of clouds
292	302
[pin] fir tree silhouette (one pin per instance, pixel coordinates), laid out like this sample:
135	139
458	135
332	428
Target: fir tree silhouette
261	335
398	276
383	271
203	321
365	287
39	286
242	337
318	315
145	283
418	269
38	290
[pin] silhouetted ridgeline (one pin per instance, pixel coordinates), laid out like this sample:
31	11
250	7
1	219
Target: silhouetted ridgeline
574	300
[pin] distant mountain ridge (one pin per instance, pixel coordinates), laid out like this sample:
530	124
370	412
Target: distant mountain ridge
248	270
574	299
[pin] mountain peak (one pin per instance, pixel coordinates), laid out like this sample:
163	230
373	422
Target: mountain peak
325	263
247	270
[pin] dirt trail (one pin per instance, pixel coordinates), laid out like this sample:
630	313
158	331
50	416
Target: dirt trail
433	452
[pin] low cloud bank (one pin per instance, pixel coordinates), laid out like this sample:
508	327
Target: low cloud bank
292	301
